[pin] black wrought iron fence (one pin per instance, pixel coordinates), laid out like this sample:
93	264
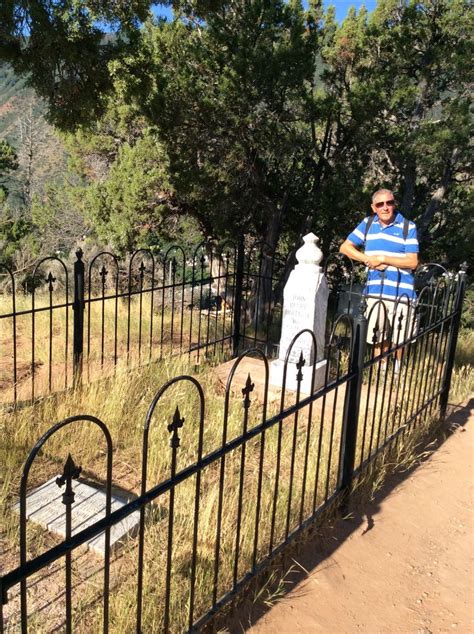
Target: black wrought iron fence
225	505
73	326
77	322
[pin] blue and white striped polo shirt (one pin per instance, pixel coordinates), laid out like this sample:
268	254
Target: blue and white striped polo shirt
387	240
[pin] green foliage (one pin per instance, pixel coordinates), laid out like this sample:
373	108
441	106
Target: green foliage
8	158
413	69
467	317
15	231
60	47
57	216
130	207
418	67
229	102
8	162
257	116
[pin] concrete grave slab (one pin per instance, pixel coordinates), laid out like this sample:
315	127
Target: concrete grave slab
44	506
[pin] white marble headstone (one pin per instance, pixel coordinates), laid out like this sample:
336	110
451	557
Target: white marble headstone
305	301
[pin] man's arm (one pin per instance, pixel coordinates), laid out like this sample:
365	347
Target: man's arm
407	261
380	262
352	252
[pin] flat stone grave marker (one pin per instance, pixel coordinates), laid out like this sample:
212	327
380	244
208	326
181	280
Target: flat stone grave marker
44	506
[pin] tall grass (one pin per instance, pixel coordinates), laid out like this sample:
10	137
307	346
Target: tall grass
132	331
121	401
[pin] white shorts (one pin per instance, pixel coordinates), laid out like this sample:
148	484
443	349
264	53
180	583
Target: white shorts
389	320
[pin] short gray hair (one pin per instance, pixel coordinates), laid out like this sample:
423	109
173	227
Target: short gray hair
382	191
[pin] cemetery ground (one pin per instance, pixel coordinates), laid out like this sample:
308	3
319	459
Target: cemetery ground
121	401
402	562
143	331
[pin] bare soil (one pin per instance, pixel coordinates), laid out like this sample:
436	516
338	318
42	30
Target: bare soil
403	565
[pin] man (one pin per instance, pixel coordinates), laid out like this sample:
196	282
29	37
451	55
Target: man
387	244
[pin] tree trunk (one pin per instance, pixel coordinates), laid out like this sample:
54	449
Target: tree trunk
264	301
437	197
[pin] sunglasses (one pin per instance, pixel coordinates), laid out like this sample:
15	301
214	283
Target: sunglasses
389	203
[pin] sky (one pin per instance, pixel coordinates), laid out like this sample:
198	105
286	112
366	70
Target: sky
342	7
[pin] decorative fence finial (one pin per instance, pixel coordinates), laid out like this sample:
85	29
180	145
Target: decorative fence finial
246	391
70	472
299	366
176	424
50	279
103	273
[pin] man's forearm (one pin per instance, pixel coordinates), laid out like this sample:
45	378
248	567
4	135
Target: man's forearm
407	261
347	248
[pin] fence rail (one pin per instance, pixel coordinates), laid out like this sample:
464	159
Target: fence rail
74	322
228	506
79	322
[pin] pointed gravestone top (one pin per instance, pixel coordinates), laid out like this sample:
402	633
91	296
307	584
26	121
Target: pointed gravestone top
309	253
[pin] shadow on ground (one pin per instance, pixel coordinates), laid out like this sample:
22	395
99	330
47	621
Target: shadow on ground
316	548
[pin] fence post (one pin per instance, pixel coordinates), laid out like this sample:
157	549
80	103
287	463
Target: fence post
453	338
352	400
239	282
3	601
78	308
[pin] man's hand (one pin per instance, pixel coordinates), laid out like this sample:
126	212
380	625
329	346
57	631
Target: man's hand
376	262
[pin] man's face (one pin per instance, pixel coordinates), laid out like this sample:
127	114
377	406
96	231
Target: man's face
384	206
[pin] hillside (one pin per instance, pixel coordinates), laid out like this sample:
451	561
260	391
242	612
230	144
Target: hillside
23	125
15	98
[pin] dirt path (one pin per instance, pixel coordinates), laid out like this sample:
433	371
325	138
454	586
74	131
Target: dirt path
408	567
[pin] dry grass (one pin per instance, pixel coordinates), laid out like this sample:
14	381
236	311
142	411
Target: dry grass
121	401
462	382
136	332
